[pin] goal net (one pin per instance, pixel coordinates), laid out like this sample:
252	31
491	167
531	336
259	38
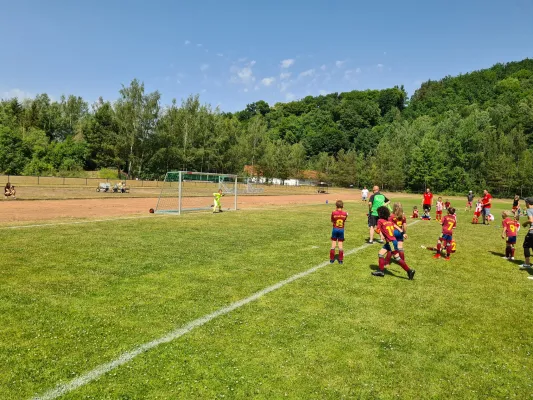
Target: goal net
190	191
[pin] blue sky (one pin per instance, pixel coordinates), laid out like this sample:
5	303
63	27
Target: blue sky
236	52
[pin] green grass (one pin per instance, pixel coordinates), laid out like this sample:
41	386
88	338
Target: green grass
75	296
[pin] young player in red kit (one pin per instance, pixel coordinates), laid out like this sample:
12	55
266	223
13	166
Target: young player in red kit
387	228
477	212
415	212
449	223
510	229
338	218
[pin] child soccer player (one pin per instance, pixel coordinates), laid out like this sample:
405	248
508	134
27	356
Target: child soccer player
398	218
217	207
509	232
477	212
386	228
426	216
439	207
449	223
447	204
415	212
516	204
338	218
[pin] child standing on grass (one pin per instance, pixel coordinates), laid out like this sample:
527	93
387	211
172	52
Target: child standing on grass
509	232
516	204
398	218
439	206
477	212
387	228
338	218
217	207
449	223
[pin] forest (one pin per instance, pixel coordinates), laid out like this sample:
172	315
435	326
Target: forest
468	132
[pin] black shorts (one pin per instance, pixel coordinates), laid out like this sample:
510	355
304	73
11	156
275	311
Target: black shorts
528	241
426	207
372	220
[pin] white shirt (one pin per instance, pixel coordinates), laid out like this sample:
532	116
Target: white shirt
364	192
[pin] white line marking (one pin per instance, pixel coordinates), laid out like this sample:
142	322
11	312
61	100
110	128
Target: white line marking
124	358
73	222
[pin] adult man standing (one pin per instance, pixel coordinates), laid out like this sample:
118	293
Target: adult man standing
376	200
486	202
528	240
364	194
428	200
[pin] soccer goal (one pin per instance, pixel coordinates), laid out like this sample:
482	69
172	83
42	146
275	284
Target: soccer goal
191	191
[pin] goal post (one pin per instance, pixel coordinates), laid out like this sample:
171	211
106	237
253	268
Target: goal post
193	191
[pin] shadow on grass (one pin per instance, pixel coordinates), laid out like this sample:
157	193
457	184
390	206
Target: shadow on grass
375	267
498	254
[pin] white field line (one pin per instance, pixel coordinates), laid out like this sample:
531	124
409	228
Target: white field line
73	222
124	358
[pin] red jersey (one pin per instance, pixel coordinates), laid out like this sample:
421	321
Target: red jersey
510	227
449	222
428	198
398	221
486	200
387	229
415	214
338	218
447	205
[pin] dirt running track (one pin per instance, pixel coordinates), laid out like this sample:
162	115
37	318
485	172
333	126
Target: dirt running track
47	210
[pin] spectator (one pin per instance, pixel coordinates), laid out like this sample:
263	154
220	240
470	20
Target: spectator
376	200
364	194
469	200
528	240
9	190
428	200
486	202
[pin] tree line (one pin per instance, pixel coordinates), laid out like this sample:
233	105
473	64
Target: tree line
461	133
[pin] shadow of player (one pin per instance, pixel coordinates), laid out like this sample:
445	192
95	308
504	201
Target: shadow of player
498	254
375	267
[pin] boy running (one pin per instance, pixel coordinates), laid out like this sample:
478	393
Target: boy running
387	228
338	218
449	223
509	232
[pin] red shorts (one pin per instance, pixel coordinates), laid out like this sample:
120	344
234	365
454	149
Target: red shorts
439	212
469	204
477	214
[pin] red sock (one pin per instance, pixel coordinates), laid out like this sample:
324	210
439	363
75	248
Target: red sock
332	254
512	251
388	257
381	263
402	254
341	255
439	247
403	264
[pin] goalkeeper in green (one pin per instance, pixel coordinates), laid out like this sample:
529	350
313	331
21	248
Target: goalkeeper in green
217	207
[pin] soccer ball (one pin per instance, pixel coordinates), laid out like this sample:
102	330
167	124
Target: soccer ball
491	217
151	210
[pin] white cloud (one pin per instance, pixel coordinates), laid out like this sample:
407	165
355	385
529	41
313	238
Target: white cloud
287	63
285	75
380	66
290	96
19	94
256	87
187	42
322	92
242	59
309	72
284	86
178	81
323	67
268	81
204	90
204	67
340	64
220	54
199	45
358	70
245	90
243	75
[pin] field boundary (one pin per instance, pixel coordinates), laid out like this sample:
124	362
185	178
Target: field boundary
124	358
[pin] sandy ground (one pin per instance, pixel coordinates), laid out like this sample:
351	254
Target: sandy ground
12	211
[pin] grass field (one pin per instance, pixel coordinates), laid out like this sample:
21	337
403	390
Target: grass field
74	297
